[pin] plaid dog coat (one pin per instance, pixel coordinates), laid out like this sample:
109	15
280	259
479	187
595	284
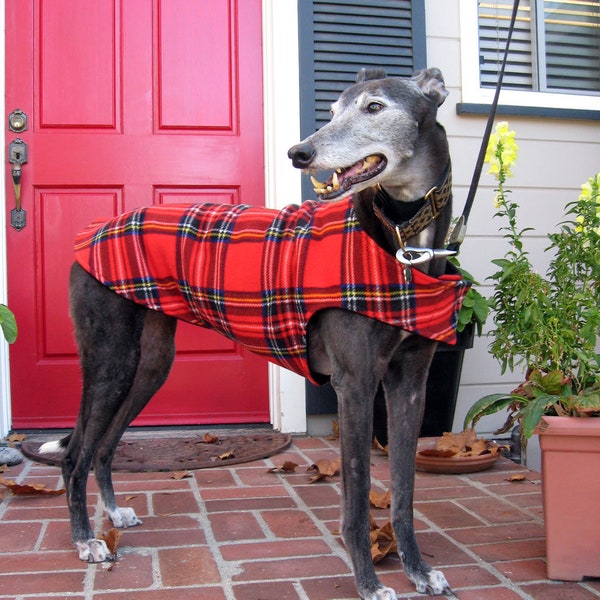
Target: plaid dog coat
258	275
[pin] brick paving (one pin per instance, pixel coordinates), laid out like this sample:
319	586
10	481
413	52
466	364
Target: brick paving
241	533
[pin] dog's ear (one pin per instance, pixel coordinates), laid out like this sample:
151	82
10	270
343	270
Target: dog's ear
367	74
431	83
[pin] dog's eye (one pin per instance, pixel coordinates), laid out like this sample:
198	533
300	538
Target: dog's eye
374	107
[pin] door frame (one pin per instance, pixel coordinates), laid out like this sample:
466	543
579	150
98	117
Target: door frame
5	413
282	186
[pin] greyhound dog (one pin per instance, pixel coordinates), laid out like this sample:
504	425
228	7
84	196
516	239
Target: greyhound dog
390	158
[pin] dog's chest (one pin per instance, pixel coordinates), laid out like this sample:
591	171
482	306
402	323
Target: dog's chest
258	275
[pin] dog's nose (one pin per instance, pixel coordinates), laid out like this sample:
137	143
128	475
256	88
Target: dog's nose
302	155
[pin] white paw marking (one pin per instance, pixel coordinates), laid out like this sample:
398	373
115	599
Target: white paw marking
51	447
385	594
123	518
94	551
434	583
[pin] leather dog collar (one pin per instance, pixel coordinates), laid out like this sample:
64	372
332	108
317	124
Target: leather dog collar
428	208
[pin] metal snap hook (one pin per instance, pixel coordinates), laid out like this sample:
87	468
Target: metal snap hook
415	256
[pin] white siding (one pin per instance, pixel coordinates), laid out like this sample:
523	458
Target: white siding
555	157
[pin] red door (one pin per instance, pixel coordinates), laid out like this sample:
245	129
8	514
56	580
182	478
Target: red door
129	103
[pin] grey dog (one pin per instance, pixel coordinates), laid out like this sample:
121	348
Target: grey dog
387	150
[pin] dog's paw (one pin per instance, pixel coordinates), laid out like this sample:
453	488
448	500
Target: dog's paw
382	594
94	551
433	583
123	518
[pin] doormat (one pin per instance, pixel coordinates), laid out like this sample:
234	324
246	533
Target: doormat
179	454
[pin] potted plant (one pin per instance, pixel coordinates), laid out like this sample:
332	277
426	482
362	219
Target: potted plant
551	326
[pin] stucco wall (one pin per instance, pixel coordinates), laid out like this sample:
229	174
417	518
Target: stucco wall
555	157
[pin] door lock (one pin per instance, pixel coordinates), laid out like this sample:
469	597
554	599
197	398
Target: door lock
17	121
17	156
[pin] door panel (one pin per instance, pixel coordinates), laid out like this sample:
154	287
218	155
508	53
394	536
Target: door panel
130	103
196	60
78	52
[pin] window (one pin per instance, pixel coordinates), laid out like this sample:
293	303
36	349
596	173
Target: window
553	66
555	45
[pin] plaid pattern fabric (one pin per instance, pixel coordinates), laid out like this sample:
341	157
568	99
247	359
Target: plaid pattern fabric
258	275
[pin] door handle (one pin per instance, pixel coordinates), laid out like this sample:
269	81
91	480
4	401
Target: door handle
17	156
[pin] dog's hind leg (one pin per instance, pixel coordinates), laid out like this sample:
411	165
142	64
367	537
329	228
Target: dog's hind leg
157	354
108	330
404	385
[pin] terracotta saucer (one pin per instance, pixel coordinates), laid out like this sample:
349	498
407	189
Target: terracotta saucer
455	464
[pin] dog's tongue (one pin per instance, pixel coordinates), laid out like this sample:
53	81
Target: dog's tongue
345	177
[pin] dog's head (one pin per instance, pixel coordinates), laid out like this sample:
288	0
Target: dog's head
382	130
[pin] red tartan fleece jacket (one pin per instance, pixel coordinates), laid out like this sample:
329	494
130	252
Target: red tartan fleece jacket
258	275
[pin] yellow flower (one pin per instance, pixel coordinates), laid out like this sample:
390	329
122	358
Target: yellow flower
501	152
579	227
586	191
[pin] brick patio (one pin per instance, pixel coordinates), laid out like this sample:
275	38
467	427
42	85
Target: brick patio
241	533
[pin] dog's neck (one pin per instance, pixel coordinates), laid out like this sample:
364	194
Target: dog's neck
394	224
398	212
425	210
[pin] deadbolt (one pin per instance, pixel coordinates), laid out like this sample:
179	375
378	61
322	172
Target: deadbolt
17	121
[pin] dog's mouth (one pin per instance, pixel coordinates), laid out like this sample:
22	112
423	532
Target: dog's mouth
343	179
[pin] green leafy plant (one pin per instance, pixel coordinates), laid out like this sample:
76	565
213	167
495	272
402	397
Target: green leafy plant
8	324
549	324
475	307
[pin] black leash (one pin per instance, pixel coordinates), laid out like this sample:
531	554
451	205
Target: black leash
460	229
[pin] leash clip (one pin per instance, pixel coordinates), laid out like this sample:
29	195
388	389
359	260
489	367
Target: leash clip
410	255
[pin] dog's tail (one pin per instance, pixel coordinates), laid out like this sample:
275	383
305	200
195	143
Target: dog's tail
57	446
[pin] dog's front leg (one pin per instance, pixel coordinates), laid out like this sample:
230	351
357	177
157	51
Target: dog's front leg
405	385
356	422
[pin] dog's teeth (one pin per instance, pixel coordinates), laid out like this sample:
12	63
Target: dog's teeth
317	184
338	171
373	158
335	182
329	188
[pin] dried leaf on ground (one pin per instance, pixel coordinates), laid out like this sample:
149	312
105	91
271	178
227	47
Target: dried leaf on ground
335	430
36	489
177	475
228	454
465	443
287	467
380	499
3	468
383	541
517	477
377	446
111	538
16	437
324	468
130	498
209	438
